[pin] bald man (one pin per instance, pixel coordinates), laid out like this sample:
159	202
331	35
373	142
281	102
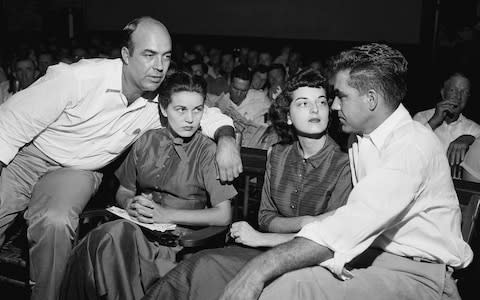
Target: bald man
56	135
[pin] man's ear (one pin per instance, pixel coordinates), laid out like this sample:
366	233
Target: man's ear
442	93
372	99
125	55
163	111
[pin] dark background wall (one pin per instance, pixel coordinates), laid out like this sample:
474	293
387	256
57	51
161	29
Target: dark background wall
340	20
316	28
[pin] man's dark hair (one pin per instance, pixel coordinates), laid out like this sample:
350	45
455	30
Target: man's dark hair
374	66
242	72
180	82
197	61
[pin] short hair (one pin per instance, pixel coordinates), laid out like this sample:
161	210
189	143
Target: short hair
278	67
260	69
449	74
180	82
242	72
129	29
197	61
280	108
374	66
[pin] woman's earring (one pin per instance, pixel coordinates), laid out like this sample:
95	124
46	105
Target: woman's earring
289	122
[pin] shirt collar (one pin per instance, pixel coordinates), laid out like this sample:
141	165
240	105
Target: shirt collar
461	119
178	143
380	134
319	157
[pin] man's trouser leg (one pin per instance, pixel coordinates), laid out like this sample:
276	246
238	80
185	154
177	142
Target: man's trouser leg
17	181
389	277
52	216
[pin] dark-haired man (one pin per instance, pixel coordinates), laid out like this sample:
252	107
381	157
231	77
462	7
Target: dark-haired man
250	104
75	120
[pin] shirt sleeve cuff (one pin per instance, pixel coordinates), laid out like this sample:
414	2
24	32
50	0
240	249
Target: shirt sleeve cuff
212	120
336	265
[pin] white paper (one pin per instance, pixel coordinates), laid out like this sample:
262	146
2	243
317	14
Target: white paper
155	226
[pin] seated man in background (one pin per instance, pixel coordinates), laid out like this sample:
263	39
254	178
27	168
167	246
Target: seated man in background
259	78
455	131
398	236
250	104
264	58
471	163
24	74
198	68
277	74
45	60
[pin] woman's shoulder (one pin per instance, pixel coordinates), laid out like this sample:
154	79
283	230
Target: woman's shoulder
203	144
153	135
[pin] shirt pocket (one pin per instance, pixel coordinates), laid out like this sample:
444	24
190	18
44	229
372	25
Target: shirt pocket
122	140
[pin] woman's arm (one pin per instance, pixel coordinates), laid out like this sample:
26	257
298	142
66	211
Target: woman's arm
243	233
219	215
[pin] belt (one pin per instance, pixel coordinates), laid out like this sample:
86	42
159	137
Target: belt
426	260
422	259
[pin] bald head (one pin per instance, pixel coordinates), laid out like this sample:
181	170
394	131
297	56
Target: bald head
145	23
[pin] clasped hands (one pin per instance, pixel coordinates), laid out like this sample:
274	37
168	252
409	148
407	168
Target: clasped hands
145	210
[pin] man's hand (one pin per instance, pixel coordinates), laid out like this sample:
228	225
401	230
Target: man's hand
442	109
228	159
243	233
244	286
458	148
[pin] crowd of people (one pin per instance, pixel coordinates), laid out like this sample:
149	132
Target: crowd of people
378	221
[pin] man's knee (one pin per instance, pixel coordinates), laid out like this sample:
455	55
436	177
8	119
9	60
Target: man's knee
67	183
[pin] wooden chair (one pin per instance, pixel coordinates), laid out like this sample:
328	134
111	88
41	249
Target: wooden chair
254	165
469	197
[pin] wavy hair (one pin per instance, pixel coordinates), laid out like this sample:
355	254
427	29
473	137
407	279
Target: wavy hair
280	108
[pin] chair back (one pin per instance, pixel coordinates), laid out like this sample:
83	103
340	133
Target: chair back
469	197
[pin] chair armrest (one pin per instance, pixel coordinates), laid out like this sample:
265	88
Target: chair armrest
204	236
94	213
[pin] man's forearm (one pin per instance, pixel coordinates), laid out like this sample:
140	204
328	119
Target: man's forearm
293	255
433	123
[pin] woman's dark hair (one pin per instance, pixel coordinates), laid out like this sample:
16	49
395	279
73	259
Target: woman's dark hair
280	107
180	82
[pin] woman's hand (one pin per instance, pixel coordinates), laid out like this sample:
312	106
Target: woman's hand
243	233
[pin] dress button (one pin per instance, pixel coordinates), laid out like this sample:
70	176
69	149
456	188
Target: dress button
296	191
292	206
136	131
